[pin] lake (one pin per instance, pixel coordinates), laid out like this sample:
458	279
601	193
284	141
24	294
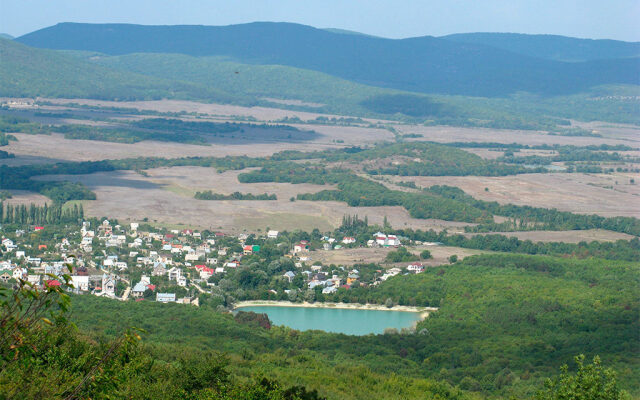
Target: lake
347	321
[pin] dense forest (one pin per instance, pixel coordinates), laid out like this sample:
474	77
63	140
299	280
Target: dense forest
549	310
470	69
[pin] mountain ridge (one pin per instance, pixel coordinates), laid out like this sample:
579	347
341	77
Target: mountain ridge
425	64
553	47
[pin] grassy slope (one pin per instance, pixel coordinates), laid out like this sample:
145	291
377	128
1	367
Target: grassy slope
345	97
259	81
552	47
33	72
424	64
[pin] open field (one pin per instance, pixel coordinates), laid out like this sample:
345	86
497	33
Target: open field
602	194
25	197
212	109
589	235
365	255
192	179
622	134
166	196
30	149
491	154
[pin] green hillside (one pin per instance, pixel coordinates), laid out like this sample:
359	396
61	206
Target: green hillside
335	95
258	81
552	47
491	346
29	72
421	64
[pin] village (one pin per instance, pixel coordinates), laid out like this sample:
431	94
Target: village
142	263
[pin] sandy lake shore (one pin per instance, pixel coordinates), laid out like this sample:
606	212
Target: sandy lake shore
424	311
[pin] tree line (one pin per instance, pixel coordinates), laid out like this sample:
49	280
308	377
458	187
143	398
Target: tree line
45	214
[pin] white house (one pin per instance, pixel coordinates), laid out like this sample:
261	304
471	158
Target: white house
34	260
34	279
159	269
8	243
138	289
289	275
232	264
329	290
108	285
386	240
166	297
415	267
174	273
272	234
80	282
192	257
19	273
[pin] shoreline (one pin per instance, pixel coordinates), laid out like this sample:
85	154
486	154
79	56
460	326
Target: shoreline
423	311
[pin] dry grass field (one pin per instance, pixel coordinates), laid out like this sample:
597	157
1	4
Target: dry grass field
31	149
606	195
589	235
166	196
212	109
491	154
364	255
626	135
24	197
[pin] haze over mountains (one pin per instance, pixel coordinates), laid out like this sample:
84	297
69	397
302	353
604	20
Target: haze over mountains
552	47
487	65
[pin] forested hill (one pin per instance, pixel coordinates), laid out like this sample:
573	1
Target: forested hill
552	47
424	64
35	72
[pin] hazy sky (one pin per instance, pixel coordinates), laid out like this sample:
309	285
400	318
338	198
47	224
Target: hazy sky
613	19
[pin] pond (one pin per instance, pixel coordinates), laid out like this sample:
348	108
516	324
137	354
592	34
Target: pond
347	321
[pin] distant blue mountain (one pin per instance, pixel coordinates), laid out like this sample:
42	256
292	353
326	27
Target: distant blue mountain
552	47
423	64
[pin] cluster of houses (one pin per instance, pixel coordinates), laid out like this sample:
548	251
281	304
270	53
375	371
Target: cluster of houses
105	253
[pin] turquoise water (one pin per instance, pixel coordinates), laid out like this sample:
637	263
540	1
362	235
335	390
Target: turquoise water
350	322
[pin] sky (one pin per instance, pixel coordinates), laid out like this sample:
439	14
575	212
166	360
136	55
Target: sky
595	19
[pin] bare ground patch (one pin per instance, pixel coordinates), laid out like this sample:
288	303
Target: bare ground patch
19	197
590	235
30	149
444	134
602	194
365	255
165	196
260	113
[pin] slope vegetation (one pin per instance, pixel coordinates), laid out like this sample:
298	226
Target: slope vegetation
35	72
423	64
552	47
